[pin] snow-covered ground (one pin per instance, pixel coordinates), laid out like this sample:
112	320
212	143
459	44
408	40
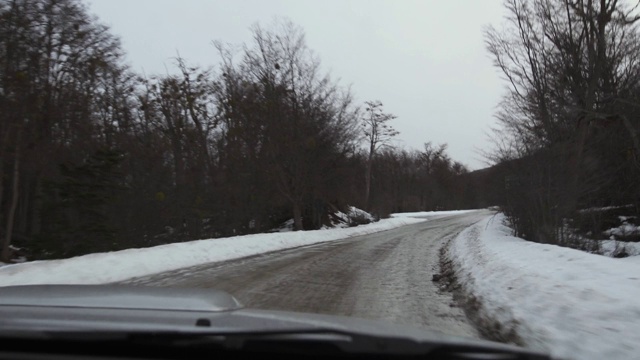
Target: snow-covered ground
353	213
598	209
613	248
570	303
338	220
120	265
618	241
627	228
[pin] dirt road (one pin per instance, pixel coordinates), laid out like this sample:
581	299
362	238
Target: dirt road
384	276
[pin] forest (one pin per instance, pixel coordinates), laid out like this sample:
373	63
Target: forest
567	152
96	157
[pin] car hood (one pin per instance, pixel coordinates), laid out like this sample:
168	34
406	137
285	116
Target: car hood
42	309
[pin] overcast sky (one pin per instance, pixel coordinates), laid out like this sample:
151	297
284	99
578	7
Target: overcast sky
424	59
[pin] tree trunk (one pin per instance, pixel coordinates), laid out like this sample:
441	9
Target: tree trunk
178	162
5	140
297	216
634	138
575	159
596	53
367	180
367	186
6	251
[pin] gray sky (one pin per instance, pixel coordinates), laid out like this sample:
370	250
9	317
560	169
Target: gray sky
424	59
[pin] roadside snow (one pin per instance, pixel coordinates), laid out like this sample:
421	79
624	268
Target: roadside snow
570	303
354	212
623	230
598	209
613	248
120	265
286	226
338	220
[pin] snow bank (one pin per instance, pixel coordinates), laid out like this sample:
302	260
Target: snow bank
286	226
623	230
612	248
338	220
599	209
567	302
120	265
354	212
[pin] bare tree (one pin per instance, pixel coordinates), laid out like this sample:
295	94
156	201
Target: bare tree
378	133
5	254
566	63
53	63
297	121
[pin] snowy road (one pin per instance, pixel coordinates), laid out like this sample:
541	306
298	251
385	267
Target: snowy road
385	276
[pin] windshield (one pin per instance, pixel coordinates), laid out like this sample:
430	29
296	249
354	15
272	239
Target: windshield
468	168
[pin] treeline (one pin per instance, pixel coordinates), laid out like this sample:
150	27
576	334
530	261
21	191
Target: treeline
568	126
95	157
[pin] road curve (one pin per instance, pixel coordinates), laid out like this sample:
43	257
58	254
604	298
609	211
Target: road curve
384	276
